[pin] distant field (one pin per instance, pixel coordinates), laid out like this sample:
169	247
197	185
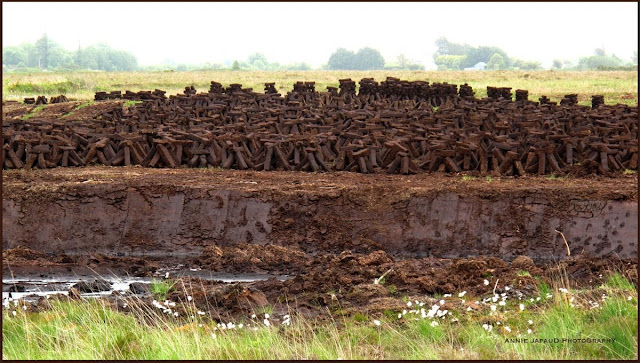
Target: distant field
616	86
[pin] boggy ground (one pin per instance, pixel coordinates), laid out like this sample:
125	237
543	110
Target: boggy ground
348	282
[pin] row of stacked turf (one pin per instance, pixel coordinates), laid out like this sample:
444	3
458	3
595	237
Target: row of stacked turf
391	127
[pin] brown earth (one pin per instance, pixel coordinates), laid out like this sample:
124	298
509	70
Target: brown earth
426	234
346	282
146	212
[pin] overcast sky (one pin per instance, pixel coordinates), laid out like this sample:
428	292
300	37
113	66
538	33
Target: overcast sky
295	32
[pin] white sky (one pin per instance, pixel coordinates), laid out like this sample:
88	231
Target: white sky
294	32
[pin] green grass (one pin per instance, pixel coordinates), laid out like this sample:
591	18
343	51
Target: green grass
616	86
629	172
52	86
160	289
90	329
33	112
130	103
617	281
80	106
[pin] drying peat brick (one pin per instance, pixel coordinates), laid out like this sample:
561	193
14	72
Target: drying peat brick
269	88
30	101
466	91
569	100
597	100
59	99
388	127
522	95
41	100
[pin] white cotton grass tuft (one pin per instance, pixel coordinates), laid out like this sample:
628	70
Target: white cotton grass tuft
486	282
189	298
266	316
376	322
462	294
434	323
266	322
528	331
213	335
521	307
530	322
507	329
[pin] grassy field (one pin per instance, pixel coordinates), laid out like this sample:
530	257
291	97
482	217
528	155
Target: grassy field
92	330
616	86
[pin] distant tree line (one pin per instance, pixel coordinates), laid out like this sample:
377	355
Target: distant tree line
259	62
366	59
455	56
47	54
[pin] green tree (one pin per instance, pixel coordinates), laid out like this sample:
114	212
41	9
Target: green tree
43	48
528	65
235	66
341	59
450	62
446	47
600	52
403	61
484	54
368	59
13	56
257	57
599	61
496	62
259	64
557	64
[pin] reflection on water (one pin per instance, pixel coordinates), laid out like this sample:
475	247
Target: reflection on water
33	287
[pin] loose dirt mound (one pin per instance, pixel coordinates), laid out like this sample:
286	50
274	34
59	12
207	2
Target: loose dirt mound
352	282
254	258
